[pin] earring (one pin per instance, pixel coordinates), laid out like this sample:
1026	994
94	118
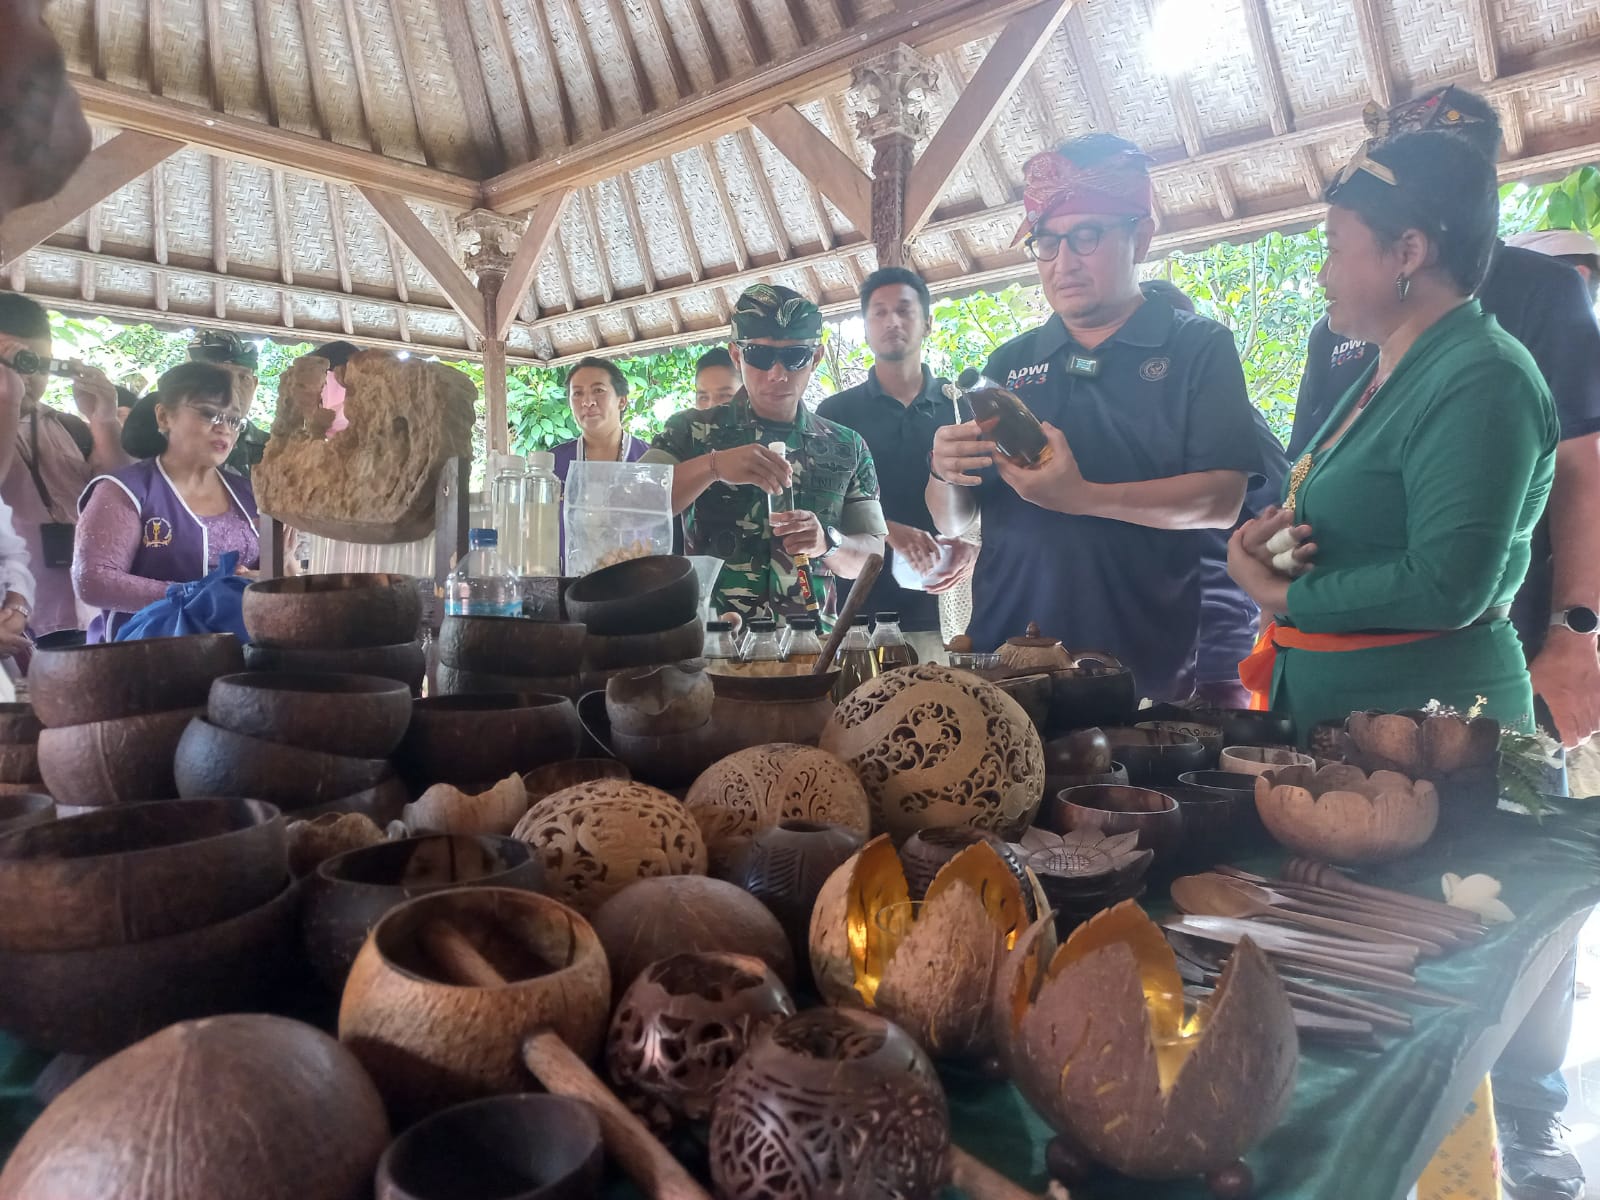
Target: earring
1402	287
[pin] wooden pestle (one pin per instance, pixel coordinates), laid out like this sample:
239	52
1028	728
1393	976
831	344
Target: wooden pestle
852	606
644	1159
980	1181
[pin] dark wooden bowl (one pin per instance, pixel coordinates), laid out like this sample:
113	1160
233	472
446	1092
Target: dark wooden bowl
453	682
23	809
672	760
1081	752
611	652
218	762
19	763
544	597
1220	820
1155	756
657	701
349	893
485	737
1240	726
1056	783
511	645
19	725
642	595
99	1000
1209	737
525	1147
1092	693
122	761
310	612
362	716
558	777
1032	691
78	685
382	803
403	661
134	872
1154	816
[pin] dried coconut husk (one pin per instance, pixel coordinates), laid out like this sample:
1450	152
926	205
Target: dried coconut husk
1340	814
314	841
447	809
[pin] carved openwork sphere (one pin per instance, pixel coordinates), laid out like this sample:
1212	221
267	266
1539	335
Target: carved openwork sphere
936	747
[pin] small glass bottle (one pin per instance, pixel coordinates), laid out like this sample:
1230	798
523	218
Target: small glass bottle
720	642
804	647
889	645
855	660
541	536
508	494
783	501
1005	420
762	644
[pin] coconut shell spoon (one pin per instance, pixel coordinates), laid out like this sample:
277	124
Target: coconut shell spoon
1321	875
1221	896
1380	914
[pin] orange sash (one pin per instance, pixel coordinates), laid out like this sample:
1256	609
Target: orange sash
1255	672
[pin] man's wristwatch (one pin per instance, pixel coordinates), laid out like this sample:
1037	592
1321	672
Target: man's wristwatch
835	540
1577	618
27	613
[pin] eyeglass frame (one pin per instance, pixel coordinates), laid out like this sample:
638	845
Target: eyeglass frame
810	348
1030	244
218	418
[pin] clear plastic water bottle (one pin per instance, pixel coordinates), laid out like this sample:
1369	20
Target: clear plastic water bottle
481	586
541	522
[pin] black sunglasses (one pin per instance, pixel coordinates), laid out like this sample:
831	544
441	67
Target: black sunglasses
762	357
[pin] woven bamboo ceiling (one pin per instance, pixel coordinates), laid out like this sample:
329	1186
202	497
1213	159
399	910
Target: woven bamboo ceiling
253	153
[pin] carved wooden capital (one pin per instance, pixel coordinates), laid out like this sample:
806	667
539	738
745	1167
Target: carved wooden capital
897	82
488	241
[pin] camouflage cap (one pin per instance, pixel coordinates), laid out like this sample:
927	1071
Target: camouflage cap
771	311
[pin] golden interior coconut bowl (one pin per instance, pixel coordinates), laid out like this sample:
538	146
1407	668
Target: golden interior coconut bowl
1097	1036
1340	814
928	965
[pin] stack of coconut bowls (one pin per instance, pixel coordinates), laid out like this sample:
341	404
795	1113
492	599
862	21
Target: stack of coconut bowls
19	751
311	744
510	654
119	921
337	624
113	714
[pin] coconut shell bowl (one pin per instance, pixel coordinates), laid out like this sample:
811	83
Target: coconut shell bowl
1109	808
1164	1090
1085	872
1340	814
1157	753
314	612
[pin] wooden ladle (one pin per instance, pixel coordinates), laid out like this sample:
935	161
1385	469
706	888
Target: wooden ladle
1222	896
644	1159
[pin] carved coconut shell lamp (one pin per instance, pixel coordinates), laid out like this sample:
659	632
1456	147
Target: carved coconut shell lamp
1097	1036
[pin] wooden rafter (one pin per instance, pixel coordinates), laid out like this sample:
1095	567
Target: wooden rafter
356	37
266	55
602	258
438	262
715	59
537	17
1222	188
107	169
97	37
1268	66
543	226
128	108
988	171
750	29
809	72
155	28
641	246
211	12
500	30
1083	64
1310	172
468	67
643	93
86	268
1010	58
843	131
661	27
1511	128
280	219
307	10
741	250
341	251
805	29
1374	50
219	231
680	216
1484	45
820	160
591	67
770	212
409	72
158	231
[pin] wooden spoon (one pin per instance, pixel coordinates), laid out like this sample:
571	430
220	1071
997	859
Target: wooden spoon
1303	870
1219	896
1372	911
1277	941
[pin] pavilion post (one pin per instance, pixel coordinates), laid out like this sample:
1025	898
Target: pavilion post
896	118
489	243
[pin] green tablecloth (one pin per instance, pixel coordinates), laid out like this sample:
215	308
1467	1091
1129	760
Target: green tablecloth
1361	1125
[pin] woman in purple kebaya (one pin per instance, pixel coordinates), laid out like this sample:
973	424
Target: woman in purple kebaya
170	517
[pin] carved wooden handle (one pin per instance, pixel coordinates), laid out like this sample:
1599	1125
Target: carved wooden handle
856	602
980	1181
1321	875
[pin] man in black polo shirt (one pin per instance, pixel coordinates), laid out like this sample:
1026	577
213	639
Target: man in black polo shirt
896	411
1546	306
1149	428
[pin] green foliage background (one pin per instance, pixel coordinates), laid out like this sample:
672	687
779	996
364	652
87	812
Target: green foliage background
1265	292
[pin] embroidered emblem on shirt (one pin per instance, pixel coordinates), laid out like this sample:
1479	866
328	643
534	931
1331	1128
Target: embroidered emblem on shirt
1028	376
157	532
1155	369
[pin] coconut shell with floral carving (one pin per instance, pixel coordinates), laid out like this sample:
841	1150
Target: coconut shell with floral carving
596	838
934	747
685	1021
1339	814
1155	1093
751	791
929	966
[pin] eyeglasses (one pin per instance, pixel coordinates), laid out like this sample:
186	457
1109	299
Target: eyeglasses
763	357
1082	240
219	419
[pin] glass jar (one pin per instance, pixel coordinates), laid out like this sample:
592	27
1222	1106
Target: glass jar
762	643
855	660
803	647
720	642
889	645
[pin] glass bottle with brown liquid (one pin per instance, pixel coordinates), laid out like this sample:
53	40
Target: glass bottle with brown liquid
803	647
889	645
1004	420
855	660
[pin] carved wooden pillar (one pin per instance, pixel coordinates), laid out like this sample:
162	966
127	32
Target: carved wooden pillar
895	120
488	243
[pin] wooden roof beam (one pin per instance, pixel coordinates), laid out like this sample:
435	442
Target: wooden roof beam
813	70
608	111
1481	14
988	172
356	36
542	228
1083	64
468	67
537	17
130	109
643	93
746	142
1259	26
500	29
265	55
436	260
108	168
656	16
1010	58
680	216
827	167
1374	51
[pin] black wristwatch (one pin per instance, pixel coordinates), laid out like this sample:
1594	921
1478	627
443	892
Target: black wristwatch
1577	618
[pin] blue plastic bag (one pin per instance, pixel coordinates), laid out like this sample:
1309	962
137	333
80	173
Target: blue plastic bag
214	604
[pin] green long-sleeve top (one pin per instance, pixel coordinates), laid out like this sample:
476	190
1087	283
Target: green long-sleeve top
1422	514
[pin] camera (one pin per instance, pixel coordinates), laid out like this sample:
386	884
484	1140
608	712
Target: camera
26	362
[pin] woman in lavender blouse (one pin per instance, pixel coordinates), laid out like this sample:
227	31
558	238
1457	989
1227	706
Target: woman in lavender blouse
597	392
170	517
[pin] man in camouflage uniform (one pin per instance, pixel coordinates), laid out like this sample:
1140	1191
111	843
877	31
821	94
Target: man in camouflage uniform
725	471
